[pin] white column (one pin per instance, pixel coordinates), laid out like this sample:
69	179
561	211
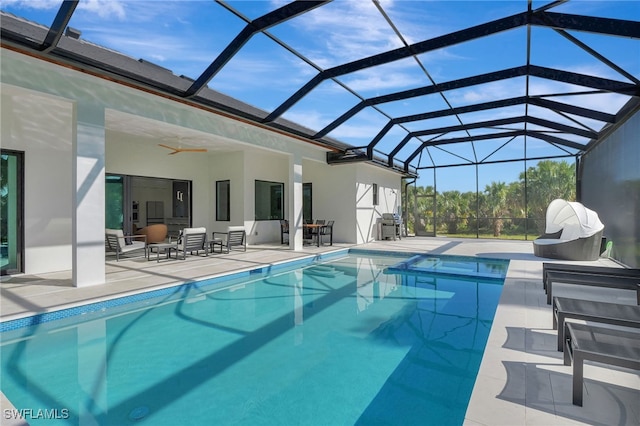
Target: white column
295	202
89	195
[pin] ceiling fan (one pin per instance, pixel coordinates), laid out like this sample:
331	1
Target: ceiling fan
179	149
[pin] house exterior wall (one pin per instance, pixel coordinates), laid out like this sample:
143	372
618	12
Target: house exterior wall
48	174
343	193
60	118
332	198
265	166
368	214
227	166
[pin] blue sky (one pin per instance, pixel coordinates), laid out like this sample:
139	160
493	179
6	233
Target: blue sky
185	36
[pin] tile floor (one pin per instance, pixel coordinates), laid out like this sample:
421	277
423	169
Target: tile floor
522	379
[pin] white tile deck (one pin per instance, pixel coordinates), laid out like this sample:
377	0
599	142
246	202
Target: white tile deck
522	379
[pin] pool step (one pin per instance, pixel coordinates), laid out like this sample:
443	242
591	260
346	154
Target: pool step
323	271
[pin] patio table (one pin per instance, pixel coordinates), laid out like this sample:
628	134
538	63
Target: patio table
165	248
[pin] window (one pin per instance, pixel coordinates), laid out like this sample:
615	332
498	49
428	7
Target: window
375	194
269	200
307	205
223	197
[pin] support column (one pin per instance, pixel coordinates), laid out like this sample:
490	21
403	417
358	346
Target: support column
295	202
89	195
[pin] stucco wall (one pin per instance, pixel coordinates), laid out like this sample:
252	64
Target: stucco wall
334	197
388	199
227	166
265	166
40	126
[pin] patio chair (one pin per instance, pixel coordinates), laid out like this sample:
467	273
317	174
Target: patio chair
284	229
235	236
587	270
156	233
192	240
327	230
116	242
582	342
595	311
315	232
306	231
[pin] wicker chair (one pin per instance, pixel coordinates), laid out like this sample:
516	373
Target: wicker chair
156	233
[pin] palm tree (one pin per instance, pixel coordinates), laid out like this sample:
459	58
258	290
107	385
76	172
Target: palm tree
449	209
496	194
419	206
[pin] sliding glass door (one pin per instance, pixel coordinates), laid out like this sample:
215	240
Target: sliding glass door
133	202
114	202
11	212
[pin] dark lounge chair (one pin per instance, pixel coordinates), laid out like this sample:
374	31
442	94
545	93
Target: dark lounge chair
589	310
623	280
315	232
586	269
284	229
604	345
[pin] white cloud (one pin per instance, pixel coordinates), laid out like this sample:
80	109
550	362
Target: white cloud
311	119
104	8
380	82
32	4
345	31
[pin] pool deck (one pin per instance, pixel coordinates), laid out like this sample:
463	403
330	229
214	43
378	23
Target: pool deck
522	379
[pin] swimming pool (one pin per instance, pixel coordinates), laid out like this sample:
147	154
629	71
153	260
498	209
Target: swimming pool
341	342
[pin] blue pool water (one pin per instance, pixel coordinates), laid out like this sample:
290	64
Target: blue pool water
463	266
338	343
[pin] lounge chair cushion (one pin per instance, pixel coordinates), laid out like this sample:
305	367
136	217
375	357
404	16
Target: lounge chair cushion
122	246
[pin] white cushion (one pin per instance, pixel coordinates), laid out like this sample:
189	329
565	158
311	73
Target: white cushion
119	234
135	245
548	241
194	230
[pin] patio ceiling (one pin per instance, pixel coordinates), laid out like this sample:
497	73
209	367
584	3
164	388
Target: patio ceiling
407	85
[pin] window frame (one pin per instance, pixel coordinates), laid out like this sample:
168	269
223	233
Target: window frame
227	199
279	206
374	189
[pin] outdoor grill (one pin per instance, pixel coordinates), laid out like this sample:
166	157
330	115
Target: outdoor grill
390	225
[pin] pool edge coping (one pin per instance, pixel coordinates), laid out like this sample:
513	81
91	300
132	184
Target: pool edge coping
26	319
